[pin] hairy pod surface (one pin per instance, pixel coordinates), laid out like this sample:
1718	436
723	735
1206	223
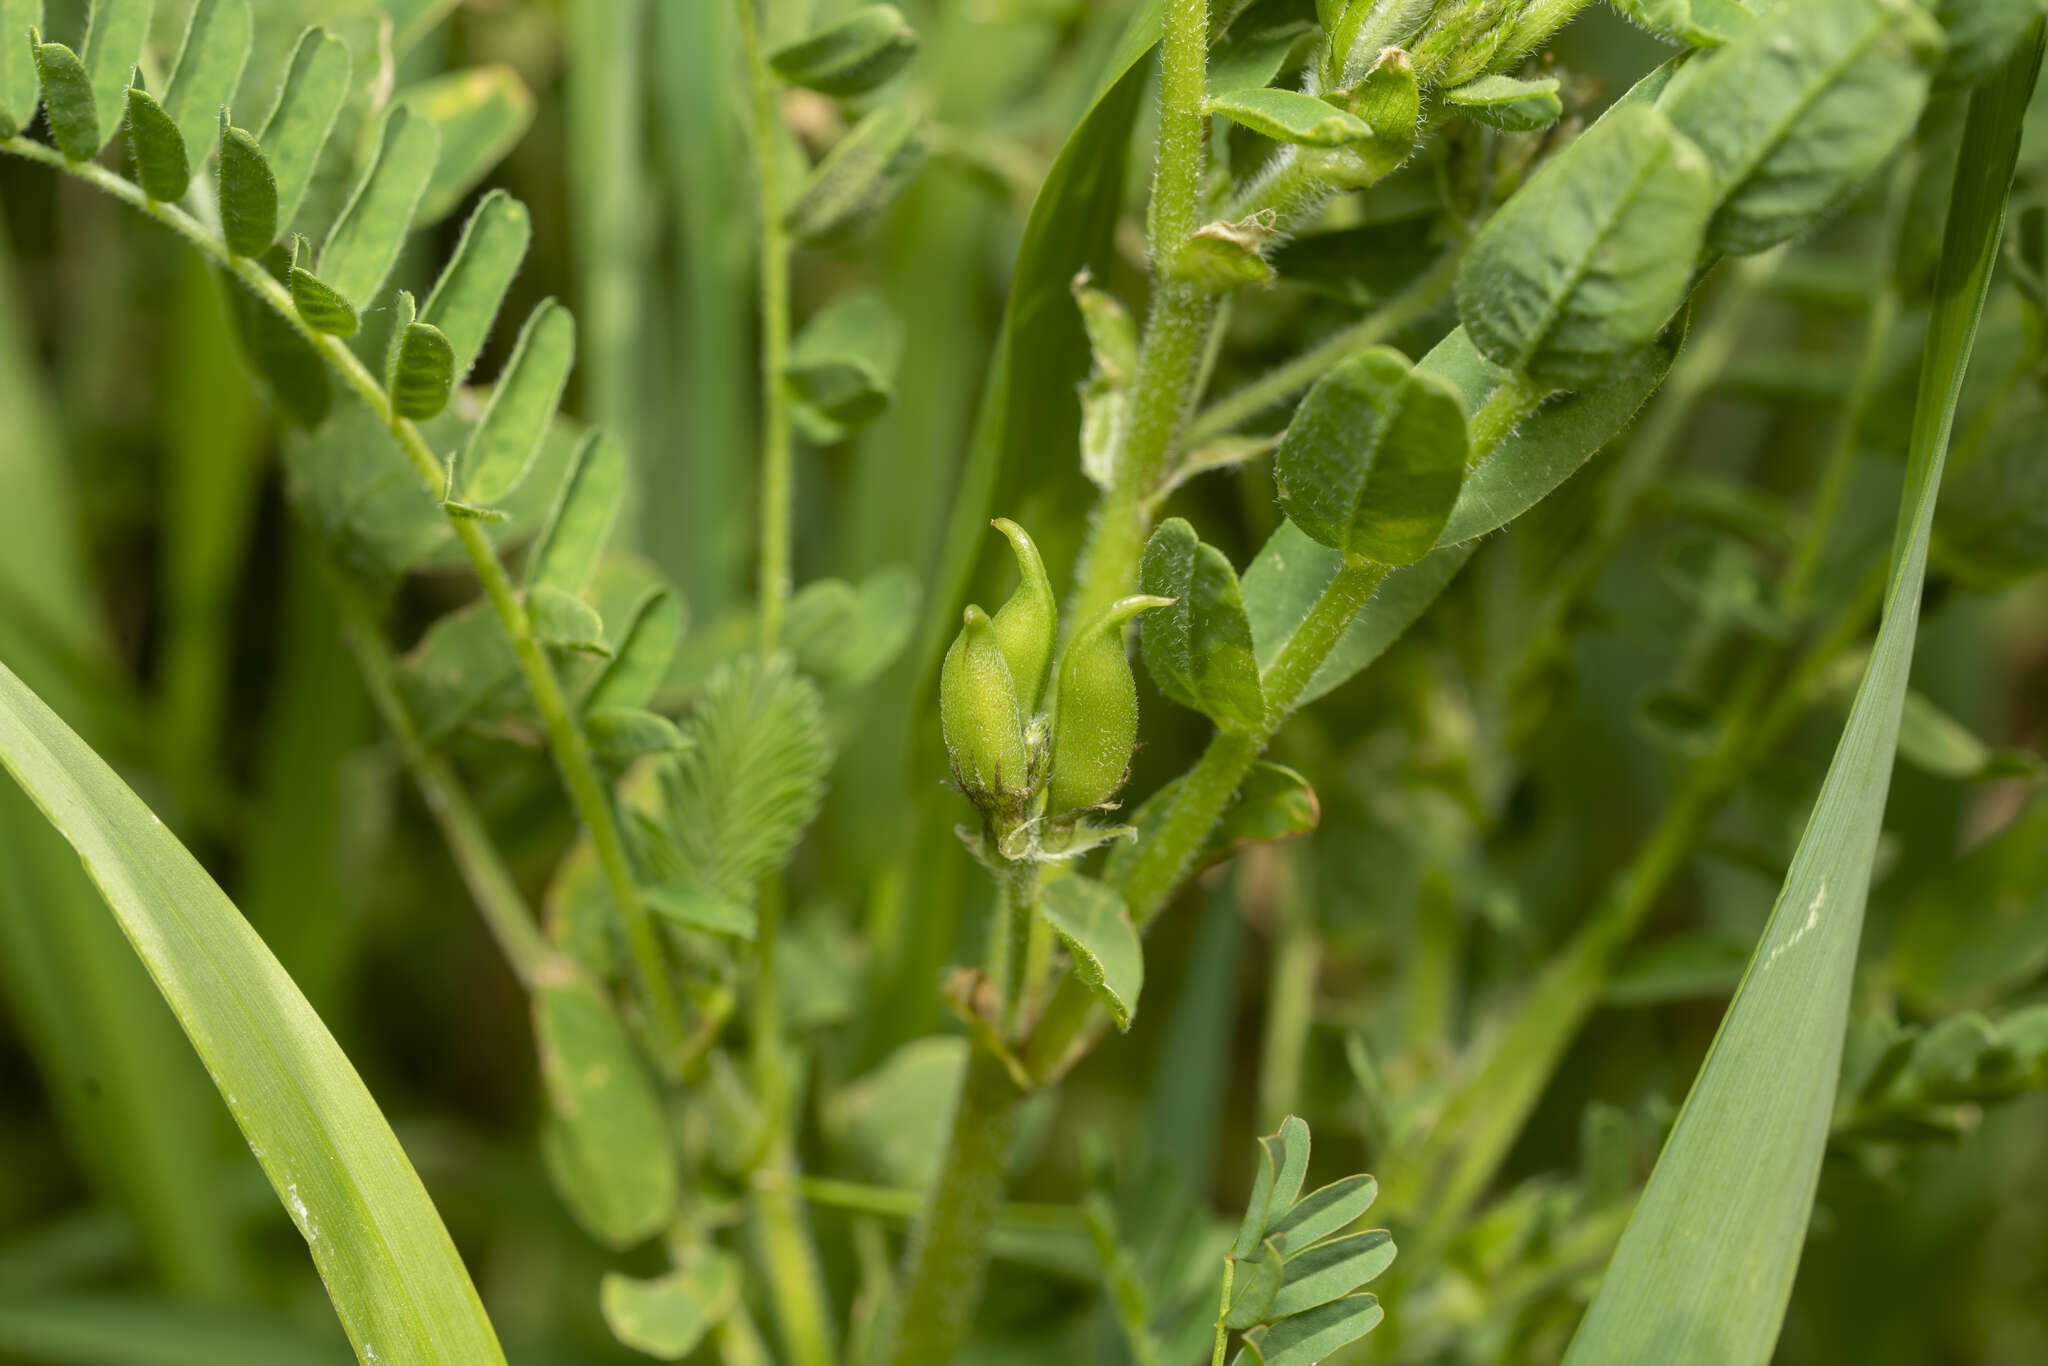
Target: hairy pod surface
981	721
1028	625
1096	725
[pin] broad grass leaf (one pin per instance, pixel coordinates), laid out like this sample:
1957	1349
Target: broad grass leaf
1290	116
1371	462
667	1317
580	520
316	82
472	285
1981	34
210	59
867	1116
1583	266
1199	651
1096	932
738	801
115	33
480	114
68	101
850	57
1290	572
366	239
1330	1270
395	1278
21	87
607	1138
1547	447
1797	111
1706	1265
509	435
1507	103
158	148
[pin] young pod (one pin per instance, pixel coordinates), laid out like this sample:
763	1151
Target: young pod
981	721
1096	725
1029	623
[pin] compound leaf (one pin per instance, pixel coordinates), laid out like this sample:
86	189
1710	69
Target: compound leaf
21	86
1307	1338
161	167
480	114
1332	1269
114	36
668	1316
850	57
1326	1210
67	100
248	192
1290	116
1503	102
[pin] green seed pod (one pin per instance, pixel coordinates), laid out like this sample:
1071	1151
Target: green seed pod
1029	623
1096	725
980	718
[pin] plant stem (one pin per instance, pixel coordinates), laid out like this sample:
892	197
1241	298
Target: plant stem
1291	990
565	736
1205	792
949	1250
1017	905
1291	377
483	870
776	441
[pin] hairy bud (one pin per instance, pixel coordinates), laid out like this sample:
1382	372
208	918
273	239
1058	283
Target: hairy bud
1029	623
981	721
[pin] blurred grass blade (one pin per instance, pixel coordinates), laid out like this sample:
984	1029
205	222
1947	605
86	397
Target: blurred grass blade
210	62
393	1274
1705	1269
108	1330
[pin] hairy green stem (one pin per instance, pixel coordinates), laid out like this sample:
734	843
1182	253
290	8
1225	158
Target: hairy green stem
566	740
949	1250
777	449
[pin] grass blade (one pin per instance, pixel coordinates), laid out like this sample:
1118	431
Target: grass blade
393	1274
1705	1268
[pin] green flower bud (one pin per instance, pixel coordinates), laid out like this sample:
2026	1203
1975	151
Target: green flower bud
1096	725
982	723
1029	623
